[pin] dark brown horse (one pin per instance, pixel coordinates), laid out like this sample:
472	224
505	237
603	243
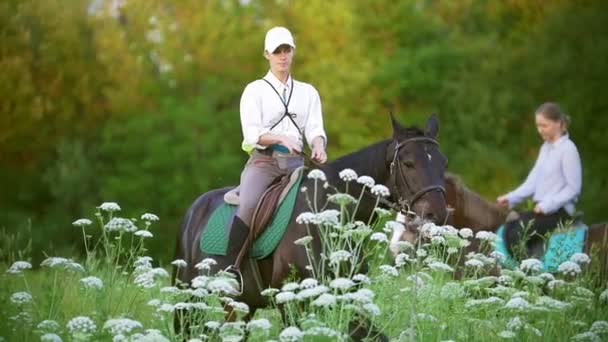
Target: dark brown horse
410	164
470	210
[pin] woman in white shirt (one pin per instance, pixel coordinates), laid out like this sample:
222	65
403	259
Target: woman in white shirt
555	181
278	114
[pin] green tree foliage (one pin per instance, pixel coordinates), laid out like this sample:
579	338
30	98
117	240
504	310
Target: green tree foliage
139	104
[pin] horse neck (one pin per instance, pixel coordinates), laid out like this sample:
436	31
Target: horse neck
369	161
479	213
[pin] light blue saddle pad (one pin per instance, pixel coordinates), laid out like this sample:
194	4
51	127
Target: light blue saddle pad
561	246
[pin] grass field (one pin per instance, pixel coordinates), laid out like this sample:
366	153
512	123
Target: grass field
117	293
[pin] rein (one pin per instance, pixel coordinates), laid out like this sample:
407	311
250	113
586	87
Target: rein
405	202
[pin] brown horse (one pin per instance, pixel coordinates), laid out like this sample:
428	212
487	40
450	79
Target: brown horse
410	164
470	210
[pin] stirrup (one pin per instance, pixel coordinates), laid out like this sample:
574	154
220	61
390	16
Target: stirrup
232	269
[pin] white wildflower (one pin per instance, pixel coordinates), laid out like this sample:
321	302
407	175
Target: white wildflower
465	233
290	287
498	256
547	277
307	218
118	224
421	253
486	301
170	290
291	334
149	217
303	241
361	278
516	323
474	263
440	266
380	190
586	336
82	222
48	325
285	297
329	216
580	258
317	174
452	250
381	212
569	268
143	234
21	298
269	292
213	325
361	296
259	324
506	334
324	300
531	266
312	292
54	262
553	284
366	181
200	282
452	290
341	283
92	282
18	266
372	309
179	263
239	307
392	226
380	237
389	270
309	283
109	206
518	304
154	302
223	286
122	326
166	307
486	236
437	240
599	327
422	316
348	175
339	256
205	264
81	325
604	296
50	337
552	303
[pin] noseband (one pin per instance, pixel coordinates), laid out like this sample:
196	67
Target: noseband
405	202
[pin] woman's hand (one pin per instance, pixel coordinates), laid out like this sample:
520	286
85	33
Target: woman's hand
538	210
318	153
502	201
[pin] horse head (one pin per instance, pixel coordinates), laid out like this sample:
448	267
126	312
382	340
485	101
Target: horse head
417	171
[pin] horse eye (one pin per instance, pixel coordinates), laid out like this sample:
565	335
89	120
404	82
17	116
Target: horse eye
408	163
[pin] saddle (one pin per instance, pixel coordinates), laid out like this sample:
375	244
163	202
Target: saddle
265	208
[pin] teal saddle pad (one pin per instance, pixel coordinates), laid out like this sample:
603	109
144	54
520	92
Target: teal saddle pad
214	239
562	245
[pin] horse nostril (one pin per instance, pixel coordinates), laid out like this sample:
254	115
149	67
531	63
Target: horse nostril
430	217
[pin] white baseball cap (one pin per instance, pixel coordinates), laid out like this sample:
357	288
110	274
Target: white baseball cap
276	37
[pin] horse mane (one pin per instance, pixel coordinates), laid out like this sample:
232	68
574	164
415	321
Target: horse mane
471	210
364	161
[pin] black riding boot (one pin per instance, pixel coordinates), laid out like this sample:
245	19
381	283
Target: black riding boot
237	238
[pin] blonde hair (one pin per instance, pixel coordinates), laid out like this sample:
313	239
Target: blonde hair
553	112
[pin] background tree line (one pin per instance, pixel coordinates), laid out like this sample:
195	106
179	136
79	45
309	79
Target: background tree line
137	102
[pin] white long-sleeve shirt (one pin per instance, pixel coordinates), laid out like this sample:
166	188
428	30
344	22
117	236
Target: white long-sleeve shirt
555	181
261	108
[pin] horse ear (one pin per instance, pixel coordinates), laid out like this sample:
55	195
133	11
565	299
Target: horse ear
432	126
397	128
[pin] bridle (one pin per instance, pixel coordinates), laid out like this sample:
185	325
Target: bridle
406	203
